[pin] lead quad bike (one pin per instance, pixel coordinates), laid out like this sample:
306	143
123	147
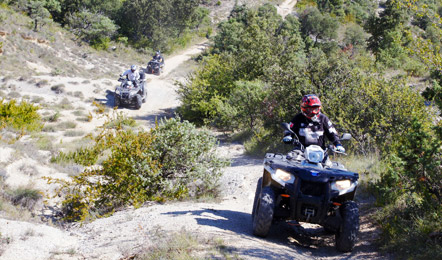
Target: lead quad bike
305	186
129	94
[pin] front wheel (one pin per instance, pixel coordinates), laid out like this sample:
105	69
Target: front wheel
138	101
257	194
264	209
348	231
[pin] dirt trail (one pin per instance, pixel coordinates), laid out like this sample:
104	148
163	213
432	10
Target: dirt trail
161	91
286	7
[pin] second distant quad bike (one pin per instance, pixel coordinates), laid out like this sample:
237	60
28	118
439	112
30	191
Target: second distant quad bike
305	186
127	94
154	67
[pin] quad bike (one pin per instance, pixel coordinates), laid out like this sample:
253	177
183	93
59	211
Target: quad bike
306	186
128	94
154	67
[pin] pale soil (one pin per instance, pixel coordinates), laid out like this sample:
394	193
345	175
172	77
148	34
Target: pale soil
132	231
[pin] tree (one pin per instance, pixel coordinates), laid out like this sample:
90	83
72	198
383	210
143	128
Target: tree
355	35
156	21
91	27
39	10
319	26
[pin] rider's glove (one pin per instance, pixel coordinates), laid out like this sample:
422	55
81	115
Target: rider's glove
287	139
340	148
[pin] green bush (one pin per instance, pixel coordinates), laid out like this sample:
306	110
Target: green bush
411	191
173	161
189	163
92	27
23	116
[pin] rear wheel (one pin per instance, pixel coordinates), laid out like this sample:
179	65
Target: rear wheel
347	234
264	209
138	101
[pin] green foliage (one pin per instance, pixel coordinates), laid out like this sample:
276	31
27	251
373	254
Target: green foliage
434	93
92	27
244	106
376	112
319	26
140	166
355	35
411	187
159	20
23	116
252	45
389	21
198	168
38	10
199	95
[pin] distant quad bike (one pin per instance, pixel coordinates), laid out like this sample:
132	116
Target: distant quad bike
128	94
306	186
154	67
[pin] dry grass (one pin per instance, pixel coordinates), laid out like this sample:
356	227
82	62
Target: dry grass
73	133
185	246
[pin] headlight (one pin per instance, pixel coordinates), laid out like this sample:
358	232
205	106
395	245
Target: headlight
284	176
343	186
314	154
117	91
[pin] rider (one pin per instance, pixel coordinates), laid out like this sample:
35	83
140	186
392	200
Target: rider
158	57
132	75
310	125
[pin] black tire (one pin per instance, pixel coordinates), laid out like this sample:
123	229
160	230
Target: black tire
257	194
347	234
138	101
117	102
157	71
265	208
144	94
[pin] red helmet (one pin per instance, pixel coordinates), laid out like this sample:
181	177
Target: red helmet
310	106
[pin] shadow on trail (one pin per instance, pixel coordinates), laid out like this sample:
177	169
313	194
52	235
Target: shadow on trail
311	241
153	117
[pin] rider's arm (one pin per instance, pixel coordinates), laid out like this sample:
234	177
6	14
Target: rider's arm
125	73
330	131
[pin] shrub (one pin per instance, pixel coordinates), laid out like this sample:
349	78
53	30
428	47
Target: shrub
53	118
66	125
23	116
58	89
14	95
42	83
73	133
140	166
411	191
25	197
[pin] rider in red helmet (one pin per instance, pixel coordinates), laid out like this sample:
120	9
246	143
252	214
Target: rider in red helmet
311	125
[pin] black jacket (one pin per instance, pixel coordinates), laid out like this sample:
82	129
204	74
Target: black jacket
312	132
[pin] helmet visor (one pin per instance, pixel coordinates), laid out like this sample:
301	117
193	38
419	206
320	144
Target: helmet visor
311	111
